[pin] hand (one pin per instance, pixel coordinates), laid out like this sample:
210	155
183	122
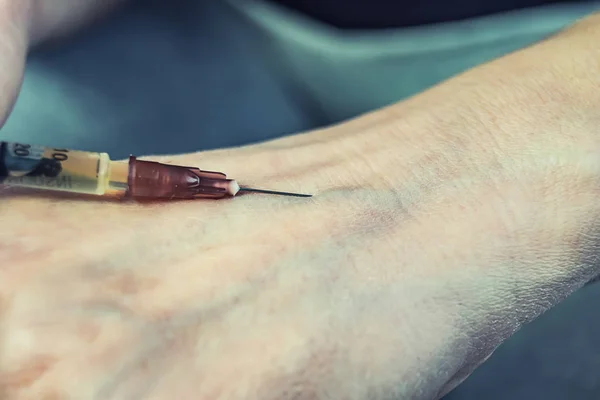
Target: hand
26	23
255	297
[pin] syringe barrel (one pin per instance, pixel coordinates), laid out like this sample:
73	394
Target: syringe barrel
55	169
31	166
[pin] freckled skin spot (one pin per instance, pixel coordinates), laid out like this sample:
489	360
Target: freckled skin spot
26	375
88	332
129	284
52	396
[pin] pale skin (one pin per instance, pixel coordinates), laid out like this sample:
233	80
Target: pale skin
440	226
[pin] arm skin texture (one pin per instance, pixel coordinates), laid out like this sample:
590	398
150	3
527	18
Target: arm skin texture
441	225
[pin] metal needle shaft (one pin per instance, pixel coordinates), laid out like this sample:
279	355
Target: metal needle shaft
246	189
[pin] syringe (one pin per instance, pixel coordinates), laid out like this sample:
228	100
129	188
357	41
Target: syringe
25	165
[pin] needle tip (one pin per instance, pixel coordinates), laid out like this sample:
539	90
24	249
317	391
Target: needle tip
247	189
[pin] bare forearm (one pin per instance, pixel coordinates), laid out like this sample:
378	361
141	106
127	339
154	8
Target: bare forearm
504	159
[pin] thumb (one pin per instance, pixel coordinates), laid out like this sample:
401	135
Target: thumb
13	50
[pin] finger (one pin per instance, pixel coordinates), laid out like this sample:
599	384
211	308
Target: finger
13	47
24	23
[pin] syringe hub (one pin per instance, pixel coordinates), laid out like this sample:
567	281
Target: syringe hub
154	180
